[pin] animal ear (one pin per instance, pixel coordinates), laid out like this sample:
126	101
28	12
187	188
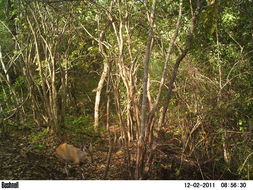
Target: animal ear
90	147
84	149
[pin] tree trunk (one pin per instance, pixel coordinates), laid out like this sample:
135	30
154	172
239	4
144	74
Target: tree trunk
109	154
141	143
98	92
175	69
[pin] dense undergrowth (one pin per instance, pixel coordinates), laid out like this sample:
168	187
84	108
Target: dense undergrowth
160	89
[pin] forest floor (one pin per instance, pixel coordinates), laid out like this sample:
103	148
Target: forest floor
18	161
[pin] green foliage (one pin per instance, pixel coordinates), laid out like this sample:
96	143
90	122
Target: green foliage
82	129
211	106
2	8
78	123
38	140
19	83
6	40
230	18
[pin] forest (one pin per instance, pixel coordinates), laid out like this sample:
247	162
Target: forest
126	89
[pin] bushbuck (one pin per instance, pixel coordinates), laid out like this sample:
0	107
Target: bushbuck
70	153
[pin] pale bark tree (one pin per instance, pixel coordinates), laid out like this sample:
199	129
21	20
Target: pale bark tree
43	61
141	146
98	92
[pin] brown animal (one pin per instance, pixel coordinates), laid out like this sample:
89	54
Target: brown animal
70	153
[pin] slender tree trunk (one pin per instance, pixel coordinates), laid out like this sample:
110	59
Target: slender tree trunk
98	92
7	80
63	96
141	145
165	68
109	154
175	68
